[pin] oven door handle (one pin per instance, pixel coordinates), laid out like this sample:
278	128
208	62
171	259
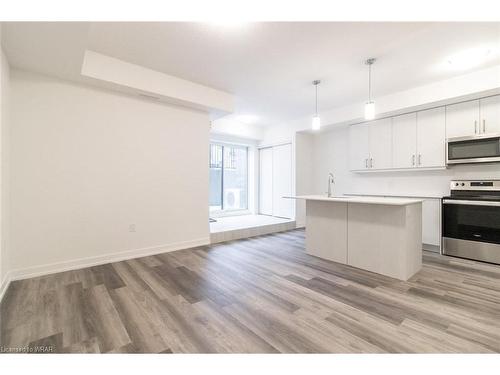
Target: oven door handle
471	203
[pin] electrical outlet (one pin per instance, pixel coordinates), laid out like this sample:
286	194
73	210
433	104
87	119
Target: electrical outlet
131	228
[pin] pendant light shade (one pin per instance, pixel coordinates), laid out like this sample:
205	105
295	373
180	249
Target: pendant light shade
369	110
316	122
370	104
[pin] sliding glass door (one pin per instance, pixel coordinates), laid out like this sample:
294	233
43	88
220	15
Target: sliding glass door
228	177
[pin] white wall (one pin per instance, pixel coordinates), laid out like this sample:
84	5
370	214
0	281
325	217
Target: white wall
330	154
231	127
88	163
4	170
123	75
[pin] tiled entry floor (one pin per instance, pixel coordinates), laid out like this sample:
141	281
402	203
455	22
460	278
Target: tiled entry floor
244	221
244	226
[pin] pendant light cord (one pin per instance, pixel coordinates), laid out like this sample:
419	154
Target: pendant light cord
370	83
316	83
370	62
316	100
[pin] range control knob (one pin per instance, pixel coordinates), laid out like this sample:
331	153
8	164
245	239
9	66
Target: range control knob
456	183
463	184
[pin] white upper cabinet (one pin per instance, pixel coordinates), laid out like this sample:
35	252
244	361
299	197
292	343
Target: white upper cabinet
462	119
380	144
370	145
490	115
431	138
359	147
476	117
418	139
404	141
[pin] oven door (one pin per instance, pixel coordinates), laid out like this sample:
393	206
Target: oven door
471	229
478	149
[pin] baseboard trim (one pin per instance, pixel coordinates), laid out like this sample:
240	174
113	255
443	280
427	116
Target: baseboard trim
5	285
47	269
432	248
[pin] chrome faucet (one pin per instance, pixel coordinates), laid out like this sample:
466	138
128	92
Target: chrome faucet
331	180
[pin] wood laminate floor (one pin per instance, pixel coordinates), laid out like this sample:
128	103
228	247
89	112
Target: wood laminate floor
263	295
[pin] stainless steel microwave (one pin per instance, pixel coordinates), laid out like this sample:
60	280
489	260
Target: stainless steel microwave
473	149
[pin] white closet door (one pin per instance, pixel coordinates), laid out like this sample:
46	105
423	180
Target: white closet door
266	181
282	180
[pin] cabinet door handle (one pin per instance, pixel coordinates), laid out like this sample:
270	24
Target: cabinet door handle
413	160
371	162
366	163
419	159
484	126
475	127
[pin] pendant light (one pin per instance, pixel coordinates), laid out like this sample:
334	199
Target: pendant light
316	122
370	105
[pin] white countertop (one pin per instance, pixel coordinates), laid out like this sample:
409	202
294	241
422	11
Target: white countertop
422	196
361	199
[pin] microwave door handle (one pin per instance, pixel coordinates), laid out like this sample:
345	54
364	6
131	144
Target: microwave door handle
471	203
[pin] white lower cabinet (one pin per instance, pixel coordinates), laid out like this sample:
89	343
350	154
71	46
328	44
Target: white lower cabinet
431	224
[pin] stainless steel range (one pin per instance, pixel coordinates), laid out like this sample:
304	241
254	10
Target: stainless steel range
471	220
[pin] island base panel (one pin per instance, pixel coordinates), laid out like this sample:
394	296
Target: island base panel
385	239
326	230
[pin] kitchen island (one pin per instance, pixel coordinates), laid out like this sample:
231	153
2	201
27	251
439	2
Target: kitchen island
378	234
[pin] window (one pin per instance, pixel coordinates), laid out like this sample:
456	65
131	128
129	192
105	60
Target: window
228	177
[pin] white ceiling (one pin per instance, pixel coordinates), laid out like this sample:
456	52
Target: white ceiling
267	66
